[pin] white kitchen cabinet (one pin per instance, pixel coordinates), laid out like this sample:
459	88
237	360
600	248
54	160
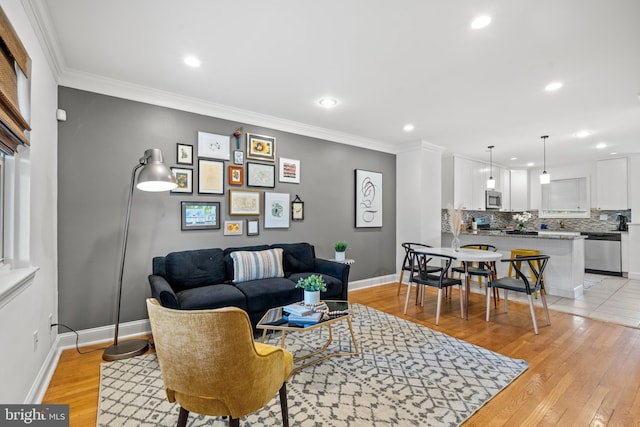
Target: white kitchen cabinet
505	187
624	251
519	189
611	184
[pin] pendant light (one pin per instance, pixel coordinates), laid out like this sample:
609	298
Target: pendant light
545	178
491	183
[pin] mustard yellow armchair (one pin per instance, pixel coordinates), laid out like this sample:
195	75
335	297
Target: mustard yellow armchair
211	365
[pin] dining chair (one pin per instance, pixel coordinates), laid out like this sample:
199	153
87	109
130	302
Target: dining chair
486	269
211	365
431	270
407	264
537	265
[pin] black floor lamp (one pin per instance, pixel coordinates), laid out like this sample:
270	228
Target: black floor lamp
154	176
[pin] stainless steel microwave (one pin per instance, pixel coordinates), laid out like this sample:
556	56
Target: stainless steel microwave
493	199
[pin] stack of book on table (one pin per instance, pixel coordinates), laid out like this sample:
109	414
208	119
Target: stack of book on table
301	314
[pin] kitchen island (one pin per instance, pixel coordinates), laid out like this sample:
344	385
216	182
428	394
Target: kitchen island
564	275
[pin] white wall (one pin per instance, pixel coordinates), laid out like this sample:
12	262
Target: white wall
34	233
562	172
418	195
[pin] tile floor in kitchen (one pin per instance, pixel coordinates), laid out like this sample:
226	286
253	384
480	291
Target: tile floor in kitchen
608	298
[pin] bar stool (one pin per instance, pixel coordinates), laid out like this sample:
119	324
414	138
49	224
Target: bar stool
525	252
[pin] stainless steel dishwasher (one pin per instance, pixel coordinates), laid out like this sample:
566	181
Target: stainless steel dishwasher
603	253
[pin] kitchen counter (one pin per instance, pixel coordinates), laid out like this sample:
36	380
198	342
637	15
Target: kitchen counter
564	275
541	234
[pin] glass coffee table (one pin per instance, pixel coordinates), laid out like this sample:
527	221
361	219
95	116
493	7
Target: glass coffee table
273	320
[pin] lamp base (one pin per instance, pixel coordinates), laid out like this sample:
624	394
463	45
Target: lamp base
125	350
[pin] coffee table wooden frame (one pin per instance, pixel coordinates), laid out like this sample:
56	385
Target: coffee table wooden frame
324	324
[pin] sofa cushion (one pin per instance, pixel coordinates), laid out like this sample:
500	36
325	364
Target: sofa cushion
215	296
334	286
229	262
254	265
195	268
268	293
298	257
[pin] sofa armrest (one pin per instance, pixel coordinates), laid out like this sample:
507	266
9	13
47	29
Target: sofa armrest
335	269
162	291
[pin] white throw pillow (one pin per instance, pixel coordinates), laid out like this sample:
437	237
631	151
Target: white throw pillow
254	265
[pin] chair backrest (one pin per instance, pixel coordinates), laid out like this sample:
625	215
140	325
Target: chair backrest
481	246
537	264
423	259
210	356
408	247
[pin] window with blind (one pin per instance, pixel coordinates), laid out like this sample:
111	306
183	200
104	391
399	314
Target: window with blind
15	71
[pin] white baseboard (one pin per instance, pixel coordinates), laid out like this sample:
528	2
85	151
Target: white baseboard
374	281
86	337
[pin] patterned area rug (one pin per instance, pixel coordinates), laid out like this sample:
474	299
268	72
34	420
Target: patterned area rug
405	375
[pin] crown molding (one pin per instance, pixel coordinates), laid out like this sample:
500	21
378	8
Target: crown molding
38	13
419	145
112	87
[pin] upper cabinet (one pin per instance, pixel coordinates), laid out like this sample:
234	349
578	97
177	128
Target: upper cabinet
519	189
464	182
611	184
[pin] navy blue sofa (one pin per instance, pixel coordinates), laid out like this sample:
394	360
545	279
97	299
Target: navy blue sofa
204	279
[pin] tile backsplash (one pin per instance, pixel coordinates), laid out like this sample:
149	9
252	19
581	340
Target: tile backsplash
499	219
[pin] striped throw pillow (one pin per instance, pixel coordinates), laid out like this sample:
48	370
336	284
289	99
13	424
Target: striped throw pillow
254	265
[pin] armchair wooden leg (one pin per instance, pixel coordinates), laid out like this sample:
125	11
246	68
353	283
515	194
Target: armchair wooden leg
487	297
438	305
533	314
283	405
182	417
400	282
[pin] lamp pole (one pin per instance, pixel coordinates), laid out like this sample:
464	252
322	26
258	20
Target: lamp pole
160	174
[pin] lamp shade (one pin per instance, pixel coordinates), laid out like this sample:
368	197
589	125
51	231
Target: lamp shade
491	183
545	178
155	175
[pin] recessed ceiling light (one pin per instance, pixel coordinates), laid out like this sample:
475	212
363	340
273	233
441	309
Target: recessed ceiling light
613	153
481	22
328	102
583	134
192	61
514	158
601	145
408	127
553	86
530	164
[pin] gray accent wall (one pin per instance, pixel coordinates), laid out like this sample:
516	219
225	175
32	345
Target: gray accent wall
100	143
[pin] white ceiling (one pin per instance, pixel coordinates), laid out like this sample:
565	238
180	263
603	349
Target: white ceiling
388	64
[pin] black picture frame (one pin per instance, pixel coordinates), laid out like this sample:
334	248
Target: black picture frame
297	209
184	154
198	215
253	227
261	175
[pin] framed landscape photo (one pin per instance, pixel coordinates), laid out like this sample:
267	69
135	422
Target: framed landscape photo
200	215
253	228
289	170
184	155
261	147
244	202
236	175
276	210
184	176
210	177
368	199
213	146
233	228
261	175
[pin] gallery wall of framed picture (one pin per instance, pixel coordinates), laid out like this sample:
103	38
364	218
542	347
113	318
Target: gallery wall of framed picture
218	162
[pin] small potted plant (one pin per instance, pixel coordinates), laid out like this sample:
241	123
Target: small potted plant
312	286
340	246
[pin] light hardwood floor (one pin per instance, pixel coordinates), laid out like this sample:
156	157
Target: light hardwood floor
582	372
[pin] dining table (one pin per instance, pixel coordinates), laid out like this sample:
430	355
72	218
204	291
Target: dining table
467	257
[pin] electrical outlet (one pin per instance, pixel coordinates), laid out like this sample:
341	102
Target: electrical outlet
604	217
35	340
